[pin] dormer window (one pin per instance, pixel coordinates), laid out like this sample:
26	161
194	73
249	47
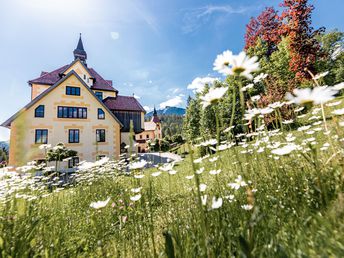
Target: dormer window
39	111
101	113
84	76
99	95
75	91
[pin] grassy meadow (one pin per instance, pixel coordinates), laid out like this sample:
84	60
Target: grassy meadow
252	198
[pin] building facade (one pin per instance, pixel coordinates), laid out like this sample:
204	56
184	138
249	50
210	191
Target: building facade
76	106
152	131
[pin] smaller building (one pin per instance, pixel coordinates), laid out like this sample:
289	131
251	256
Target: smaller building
152	131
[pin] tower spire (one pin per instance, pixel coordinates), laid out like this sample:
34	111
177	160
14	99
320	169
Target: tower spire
155	117
80	52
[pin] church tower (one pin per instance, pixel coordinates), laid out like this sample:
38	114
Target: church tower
79	52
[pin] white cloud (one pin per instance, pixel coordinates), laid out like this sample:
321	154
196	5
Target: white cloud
198	83
148	109
176	90
197	17
114	35
136	97
174	102
4	134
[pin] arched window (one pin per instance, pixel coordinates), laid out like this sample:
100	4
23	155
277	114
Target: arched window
101	114
39	111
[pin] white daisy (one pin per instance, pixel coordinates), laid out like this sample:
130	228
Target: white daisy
318	95
216	203
99	204
214	95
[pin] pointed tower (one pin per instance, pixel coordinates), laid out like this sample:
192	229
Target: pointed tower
79	52
155	117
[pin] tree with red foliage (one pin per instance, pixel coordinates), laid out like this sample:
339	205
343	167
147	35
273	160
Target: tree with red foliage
266	27
303	47
252	33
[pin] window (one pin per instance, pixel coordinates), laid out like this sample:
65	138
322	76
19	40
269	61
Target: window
141	136
39	111
73	135
100	135
72	112
101	114
41	136
99	95
147	136
72	91
73	162
84	76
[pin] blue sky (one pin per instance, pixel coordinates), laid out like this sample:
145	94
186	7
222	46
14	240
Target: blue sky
149	48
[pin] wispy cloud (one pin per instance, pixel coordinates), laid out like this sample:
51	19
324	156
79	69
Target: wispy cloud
195	18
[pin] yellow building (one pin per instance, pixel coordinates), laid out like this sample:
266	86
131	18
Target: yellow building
76	106
152	131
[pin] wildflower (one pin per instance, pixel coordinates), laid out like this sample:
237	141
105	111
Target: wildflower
136	197
277	104
303	128
200	171
260	77
284	150
44	146
247	207
138	165
139	176
215	172
287	122
221	63
216	203
341	123
290	137
204	199
320	75
209	142
339	86
167	167
229	64
317	95
136	190
202	187
214	95
338	112
238	183
267	110
334	103
213	159
248	86
172	172
228	129
189	177
251	113
99	204
230	197
155	174
255	98
198	83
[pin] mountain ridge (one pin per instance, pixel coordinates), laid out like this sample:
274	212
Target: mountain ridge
168	111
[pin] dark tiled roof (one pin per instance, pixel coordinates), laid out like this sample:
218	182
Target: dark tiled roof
8	122
124	103
51	78
100	83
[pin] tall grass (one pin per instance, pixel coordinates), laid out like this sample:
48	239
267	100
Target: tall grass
283	205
